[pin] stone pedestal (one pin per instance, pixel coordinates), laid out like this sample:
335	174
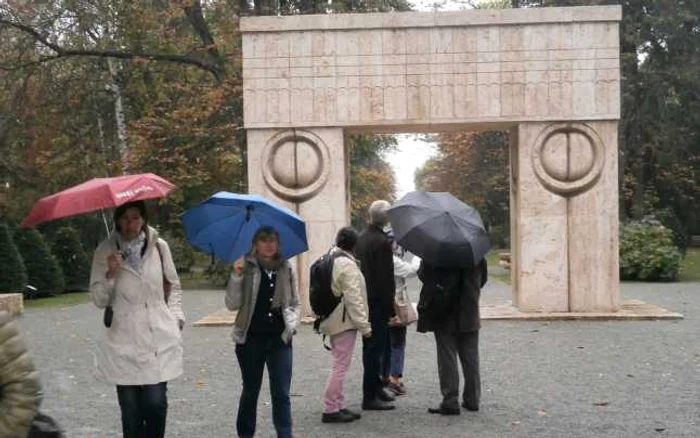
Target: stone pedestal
303	169
12	303
564	217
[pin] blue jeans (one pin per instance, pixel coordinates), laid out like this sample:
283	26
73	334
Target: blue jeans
259	350
144	410
394	352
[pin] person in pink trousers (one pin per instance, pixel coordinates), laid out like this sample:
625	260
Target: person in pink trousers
349	317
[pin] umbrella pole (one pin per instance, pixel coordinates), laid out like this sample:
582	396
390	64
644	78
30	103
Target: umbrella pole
104	219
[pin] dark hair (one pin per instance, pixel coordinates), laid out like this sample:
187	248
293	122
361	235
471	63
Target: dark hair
346	239
265	232
121	211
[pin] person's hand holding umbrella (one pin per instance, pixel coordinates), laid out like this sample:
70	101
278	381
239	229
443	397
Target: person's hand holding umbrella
238	266
114	262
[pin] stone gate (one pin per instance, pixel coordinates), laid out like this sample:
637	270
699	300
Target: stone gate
550	76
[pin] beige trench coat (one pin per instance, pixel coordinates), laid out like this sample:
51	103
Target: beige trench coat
349	283
143	346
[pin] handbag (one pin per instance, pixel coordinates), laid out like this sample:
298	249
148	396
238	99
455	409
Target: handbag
405	311
108	315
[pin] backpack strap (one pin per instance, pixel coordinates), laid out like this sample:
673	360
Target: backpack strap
167	287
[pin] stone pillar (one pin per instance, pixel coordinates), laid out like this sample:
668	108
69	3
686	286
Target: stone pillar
564	217
305	170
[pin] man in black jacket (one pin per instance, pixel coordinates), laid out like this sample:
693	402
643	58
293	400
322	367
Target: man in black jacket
377	265
449	307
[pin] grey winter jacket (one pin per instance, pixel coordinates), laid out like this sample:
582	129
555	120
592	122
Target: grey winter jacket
20	391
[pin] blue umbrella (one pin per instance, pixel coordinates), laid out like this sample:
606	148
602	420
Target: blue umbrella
224	225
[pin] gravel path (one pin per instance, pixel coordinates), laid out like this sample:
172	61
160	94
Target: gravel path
540	379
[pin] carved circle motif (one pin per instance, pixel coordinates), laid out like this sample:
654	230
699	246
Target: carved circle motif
568	159
296	165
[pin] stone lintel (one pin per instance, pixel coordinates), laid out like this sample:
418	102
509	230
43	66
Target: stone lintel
397	20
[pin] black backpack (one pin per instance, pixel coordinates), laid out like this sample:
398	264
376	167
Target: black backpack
323	300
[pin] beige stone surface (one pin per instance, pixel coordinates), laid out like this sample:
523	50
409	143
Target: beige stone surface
551	75
629	310
565	250
13	303
436	69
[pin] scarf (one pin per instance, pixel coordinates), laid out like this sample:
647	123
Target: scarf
132	249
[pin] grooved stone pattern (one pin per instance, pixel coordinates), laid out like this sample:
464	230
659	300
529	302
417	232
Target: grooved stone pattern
422	68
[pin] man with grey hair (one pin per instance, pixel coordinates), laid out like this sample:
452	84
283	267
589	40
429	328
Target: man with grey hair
376	262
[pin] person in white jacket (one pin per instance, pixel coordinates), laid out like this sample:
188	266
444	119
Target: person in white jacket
395	352
350	316
133	273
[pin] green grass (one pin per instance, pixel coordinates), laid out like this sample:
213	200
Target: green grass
690	266
197	280
63	300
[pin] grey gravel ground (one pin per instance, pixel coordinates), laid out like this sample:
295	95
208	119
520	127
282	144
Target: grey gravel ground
540	379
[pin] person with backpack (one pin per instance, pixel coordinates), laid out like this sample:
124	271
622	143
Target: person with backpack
349	316
449	307
134	279
263	290
376	262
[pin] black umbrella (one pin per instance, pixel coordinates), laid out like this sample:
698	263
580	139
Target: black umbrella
439	228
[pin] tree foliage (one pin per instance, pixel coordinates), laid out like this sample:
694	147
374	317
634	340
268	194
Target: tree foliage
90	88
43	270
371	177
71	257
474	168
13	275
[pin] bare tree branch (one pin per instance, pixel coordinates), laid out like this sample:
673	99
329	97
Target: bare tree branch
61	52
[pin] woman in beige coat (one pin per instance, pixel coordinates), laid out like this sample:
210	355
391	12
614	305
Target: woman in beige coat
349	317
133	273
20	391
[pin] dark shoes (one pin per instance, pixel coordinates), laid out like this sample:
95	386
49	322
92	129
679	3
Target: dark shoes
338	417
470	408
354	414
377	405
443	411
386	395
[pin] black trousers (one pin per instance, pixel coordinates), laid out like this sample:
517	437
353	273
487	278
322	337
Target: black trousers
373	353
144	410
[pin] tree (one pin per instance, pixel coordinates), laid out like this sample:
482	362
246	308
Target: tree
13	275
43	270
69	253
474	168
371	177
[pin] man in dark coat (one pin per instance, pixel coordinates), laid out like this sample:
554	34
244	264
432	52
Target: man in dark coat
377	264
449	307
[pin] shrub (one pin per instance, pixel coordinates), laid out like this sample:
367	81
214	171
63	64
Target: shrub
71	257
183	253
219	272
43	270
13	275
647	252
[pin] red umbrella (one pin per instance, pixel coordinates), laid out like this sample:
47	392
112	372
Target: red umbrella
96	194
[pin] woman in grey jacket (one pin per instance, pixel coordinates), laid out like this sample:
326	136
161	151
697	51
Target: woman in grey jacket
263	289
